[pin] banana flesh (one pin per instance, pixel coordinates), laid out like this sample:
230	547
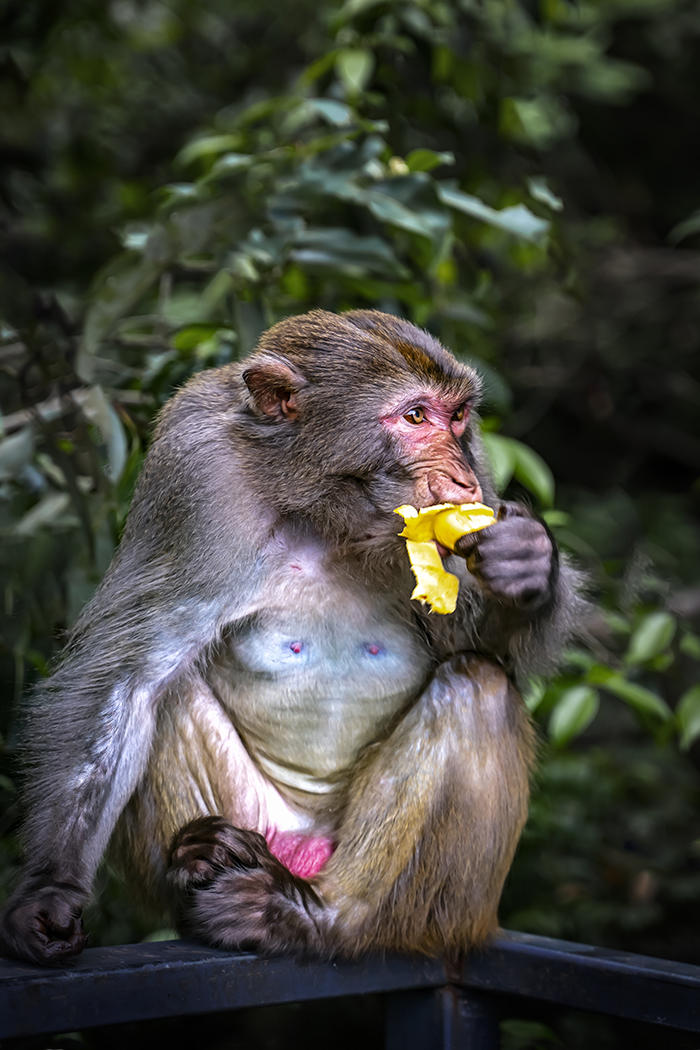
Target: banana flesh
423	530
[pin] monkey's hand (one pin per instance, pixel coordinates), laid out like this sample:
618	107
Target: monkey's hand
43	925
515	561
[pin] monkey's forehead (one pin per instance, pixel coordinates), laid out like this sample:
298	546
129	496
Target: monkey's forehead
412	375
374	345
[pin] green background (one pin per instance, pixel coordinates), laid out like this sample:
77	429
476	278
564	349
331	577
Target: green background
521	179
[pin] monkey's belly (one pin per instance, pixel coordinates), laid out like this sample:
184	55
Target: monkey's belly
307	694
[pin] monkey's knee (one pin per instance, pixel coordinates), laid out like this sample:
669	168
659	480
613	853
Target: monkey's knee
479	688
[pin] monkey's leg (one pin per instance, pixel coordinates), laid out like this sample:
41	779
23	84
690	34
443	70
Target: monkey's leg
433	818
431	824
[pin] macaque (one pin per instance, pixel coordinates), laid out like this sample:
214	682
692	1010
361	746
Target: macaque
282	747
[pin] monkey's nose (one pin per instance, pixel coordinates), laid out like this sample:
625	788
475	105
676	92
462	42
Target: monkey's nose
454	487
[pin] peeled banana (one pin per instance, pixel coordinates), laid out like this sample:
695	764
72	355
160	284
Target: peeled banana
423	530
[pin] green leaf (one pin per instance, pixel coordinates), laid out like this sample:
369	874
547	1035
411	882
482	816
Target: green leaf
117	288
135	240
229	164
533	472
651	636
540	191
688	228
501	458
690	645
46	512
190	336
519	220
616	621
582	659
354	66
166	933
539	121
341	249
688	716
427	159
636	696
352	8
335	113
575	710
16	452
516	219
534	693
100	412
556	519
388	209
177	193
210	145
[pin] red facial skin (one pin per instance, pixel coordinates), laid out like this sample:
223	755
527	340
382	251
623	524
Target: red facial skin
429	429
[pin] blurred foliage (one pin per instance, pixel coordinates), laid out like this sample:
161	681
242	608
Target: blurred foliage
512	176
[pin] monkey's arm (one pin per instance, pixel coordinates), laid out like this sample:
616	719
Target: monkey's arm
530	596
87	739
178	576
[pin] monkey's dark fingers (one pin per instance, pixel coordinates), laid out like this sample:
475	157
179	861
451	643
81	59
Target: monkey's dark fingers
525	583
516	538
516	562
509	538
45	928
207	846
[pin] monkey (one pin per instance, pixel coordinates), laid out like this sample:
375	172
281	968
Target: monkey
287	751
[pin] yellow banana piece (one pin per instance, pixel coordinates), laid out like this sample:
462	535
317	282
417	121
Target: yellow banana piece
423	530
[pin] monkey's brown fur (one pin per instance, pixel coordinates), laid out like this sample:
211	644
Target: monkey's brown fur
252	675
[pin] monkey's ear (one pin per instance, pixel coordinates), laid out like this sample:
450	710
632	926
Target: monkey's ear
274	385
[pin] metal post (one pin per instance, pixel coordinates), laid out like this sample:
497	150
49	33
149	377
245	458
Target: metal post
441	1019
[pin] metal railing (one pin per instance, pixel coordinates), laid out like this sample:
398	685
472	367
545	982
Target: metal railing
428	1004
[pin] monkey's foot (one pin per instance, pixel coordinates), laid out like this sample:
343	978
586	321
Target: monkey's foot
231	892
44	926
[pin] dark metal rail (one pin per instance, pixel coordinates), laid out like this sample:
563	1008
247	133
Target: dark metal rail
427	1006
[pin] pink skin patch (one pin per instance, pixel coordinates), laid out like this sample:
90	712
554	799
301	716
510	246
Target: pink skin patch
429	428
303	855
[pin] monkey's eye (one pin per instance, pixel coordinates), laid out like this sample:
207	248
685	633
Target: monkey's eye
460	414
415	416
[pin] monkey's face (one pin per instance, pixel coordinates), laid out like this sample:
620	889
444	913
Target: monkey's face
427	431
359	414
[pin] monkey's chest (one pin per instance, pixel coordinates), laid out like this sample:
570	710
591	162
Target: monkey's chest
310	683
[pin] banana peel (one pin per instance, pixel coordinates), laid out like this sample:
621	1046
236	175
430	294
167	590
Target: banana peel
423	530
